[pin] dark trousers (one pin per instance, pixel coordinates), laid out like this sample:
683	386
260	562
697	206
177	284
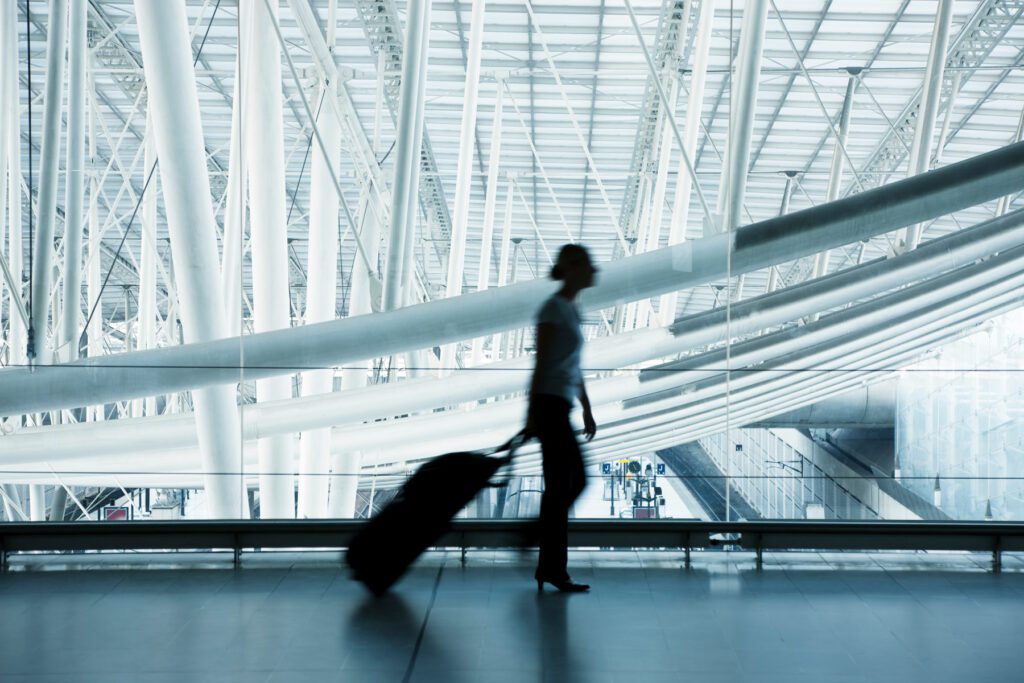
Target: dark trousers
564	479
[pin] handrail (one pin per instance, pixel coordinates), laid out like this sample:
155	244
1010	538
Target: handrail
236	535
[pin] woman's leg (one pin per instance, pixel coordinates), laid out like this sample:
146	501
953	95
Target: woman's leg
562	483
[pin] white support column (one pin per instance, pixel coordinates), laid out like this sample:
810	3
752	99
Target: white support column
694	107
464	170
742	113
344	485
511	337
37	502
345	466
174	101
93	277
321	296
234	217
414	362
639	240
344	480
666	113
146	330
58	504
787	194
487	239
835	178
947	120
10	176
74	217
8	106
12	503
920	151
42	265
661	179
498	340
742	110
652	238
263	136
407	151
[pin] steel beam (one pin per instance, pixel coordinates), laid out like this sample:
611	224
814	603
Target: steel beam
674	37
1004	202
8	112
263	136
74	215
464	169
921	151
862	338
163	35
694	108
939	192
345	466
835	177
407	153
979	36
321	296
344	479
787	195
93	286
147	311
42	265
741	115
234	215
384	32
709	329
498	341
490	200
10	184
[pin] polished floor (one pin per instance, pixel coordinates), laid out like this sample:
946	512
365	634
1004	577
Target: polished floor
806	617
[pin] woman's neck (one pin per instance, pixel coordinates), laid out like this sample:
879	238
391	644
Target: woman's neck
567	292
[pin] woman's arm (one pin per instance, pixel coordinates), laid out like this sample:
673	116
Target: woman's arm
589	424
544	335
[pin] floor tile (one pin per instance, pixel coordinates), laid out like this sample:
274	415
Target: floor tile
646	619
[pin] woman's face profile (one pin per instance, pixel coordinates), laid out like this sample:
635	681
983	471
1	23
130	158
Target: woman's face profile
580	271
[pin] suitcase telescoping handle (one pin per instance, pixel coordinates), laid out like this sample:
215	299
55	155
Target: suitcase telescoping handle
513	445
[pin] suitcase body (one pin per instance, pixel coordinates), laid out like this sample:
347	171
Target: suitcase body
392	540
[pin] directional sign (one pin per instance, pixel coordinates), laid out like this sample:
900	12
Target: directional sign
661	468
606	468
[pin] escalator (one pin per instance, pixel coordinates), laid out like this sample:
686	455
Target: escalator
692	467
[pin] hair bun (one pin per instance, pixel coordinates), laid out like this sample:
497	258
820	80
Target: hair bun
556	272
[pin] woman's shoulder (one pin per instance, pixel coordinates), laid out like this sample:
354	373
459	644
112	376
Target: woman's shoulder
554	308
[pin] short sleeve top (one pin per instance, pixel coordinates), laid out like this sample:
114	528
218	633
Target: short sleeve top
559	373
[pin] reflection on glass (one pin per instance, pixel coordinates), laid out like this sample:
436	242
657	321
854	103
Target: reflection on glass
960	431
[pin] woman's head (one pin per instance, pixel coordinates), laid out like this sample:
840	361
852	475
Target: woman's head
574	267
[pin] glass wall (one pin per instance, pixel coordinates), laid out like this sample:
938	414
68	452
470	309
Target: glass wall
233	234
959	426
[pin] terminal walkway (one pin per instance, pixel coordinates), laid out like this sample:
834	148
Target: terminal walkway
843	617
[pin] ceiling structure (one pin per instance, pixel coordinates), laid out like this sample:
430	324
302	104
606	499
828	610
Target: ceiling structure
605	80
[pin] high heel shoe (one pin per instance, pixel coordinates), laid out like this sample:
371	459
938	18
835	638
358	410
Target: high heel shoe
565	586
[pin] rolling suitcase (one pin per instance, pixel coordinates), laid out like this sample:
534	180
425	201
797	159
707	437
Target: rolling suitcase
392	540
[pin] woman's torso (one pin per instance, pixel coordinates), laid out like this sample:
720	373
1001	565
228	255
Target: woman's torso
558	371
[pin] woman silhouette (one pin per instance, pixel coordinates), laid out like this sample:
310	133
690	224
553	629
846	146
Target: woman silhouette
557	383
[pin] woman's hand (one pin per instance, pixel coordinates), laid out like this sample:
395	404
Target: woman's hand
589	424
